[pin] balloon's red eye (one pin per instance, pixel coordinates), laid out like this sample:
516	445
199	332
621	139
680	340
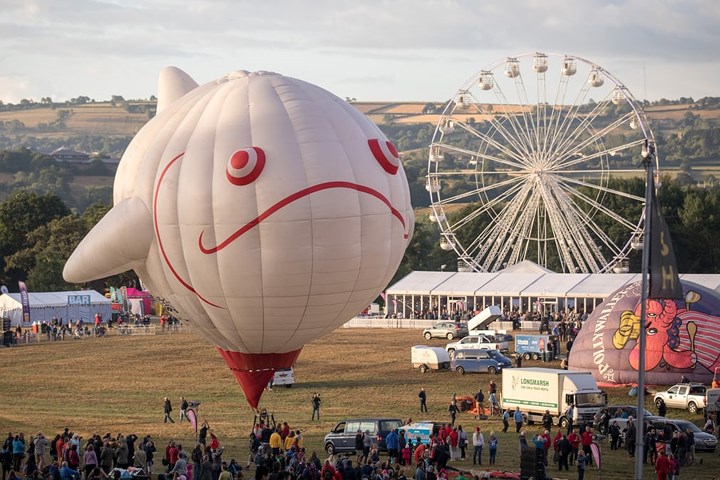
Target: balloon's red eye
245	165
385	154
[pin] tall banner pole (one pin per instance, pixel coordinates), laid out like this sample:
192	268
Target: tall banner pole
648	154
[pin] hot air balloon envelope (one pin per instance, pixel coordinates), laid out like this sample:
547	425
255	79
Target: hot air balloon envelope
265	209
682	338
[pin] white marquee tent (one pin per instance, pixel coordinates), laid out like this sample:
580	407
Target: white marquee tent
46	305
525	286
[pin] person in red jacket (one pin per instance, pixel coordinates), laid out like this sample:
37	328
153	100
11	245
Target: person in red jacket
586	441
452	439
546	444
574	440
662	466
419	453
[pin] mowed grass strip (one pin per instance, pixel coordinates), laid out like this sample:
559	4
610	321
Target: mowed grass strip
116	384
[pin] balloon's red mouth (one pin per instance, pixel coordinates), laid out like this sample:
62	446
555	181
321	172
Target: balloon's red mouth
253	223
296	196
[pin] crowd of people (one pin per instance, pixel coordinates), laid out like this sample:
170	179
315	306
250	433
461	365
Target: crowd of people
278	453
68	456
58	328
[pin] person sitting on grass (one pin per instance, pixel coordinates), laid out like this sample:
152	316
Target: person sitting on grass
67	473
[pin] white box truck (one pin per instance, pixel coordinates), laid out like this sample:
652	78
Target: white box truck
536	390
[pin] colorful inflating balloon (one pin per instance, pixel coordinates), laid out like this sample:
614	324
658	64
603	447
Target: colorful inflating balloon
682	338
265	209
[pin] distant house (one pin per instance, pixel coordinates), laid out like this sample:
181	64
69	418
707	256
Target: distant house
63	154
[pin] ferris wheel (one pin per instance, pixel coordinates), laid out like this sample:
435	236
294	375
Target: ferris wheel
532	160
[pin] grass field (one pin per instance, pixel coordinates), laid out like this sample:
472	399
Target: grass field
117	384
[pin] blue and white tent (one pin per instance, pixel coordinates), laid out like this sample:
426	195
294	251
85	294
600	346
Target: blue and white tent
72	305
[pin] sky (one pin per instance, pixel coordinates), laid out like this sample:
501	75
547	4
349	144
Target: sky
370	50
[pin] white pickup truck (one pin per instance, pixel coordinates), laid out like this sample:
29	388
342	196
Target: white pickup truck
690	396
477	342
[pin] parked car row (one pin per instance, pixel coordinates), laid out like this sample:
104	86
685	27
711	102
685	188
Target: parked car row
463	361
620	414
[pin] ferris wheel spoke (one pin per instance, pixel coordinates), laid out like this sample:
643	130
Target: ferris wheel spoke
603	189
485	207
513	232
465	151
595	173
583	238
495	254
563	240
555	113
515	154
583	248
599	207
612	151
572	113
507	217
570	149
606	152
585	119
518	245
482	190
597	230
520	133
527	126
572	140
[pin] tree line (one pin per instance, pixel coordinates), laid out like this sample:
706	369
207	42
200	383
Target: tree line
38	232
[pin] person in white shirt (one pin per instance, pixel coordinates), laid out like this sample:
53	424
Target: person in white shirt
478	443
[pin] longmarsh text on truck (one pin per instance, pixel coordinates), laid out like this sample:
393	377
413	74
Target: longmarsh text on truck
535	390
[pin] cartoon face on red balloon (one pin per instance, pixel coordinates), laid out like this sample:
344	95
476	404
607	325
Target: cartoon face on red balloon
265	209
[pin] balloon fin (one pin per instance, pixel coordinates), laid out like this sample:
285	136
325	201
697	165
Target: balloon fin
119	242
253	371
173	84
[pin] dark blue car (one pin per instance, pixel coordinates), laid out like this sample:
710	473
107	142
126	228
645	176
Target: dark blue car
479	361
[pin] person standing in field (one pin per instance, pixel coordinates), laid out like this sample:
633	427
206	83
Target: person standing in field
40	447
581	465
518	418
492	447
315	406
662	466
452	409
478	444
423	400
183	409
168	410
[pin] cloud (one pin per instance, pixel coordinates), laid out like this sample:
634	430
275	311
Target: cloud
418	46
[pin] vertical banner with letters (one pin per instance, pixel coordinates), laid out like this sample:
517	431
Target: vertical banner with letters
25	302
664	278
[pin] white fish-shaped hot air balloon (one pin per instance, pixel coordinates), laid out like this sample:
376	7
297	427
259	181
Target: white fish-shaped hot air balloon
265	209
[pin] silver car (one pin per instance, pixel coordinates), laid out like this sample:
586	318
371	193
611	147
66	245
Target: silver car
704	442
448	329
619	414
